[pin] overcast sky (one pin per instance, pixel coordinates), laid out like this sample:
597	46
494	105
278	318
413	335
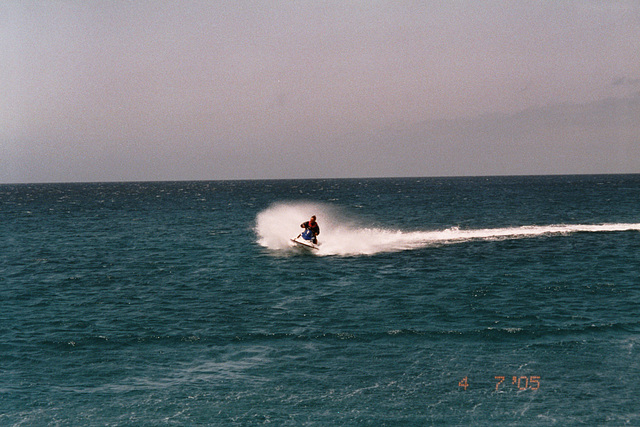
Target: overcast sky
182	90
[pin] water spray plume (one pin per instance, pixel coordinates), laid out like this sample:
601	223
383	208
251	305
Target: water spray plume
276	225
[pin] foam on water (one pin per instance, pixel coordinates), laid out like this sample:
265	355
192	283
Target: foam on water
276	225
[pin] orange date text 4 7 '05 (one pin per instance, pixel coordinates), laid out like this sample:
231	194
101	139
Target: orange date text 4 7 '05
521	383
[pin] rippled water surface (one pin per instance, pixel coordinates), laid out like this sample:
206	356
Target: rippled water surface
431	301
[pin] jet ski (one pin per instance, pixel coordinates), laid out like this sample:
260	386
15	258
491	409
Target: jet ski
305	240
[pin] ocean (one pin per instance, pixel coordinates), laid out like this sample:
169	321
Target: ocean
431	301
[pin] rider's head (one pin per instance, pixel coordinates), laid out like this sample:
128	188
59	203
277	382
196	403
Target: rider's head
313	219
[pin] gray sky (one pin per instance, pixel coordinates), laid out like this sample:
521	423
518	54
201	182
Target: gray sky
180	90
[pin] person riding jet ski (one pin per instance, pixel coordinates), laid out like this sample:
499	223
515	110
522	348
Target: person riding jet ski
311	230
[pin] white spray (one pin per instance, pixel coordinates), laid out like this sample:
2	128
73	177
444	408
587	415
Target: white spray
339	235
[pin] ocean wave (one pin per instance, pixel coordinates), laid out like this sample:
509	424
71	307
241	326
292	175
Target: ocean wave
578	332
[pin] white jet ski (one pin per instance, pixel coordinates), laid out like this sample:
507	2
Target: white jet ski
305	240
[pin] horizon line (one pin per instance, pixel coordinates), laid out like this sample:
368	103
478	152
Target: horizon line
325	178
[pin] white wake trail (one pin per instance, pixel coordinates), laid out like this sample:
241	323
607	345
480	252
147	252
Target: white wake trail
276	225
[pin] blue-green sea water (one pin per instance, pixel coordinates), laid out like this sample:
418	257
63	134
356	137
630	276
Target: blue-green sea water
431	301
